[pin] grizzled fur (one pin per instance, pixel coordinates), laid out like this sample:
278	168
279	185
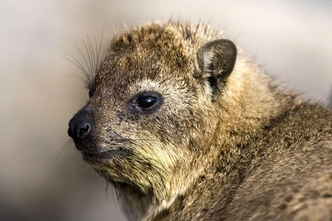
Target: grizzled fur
220	140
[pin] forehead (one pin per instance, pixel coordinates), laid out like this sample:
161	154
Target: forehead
139	55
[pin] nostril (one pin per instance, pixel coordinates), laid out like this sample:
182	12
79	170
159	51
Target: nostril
83	131
79	130
80	126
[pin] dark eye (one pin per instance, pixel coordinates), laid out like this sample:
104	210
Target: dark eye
146	102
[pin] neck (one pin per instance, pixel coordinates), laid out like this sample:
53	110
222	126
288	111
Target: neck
134	203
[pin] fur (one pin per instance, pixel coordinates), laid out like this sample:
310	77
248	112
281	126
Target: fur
225	143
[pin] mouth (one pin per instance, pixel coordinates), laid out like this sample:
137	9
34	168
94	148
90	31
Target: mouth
102	156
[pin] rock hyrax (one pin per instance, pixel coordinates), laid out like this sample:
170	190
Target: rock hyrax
185	127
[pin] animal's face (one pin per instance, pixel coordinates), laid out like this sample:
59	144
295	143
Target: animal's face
149	111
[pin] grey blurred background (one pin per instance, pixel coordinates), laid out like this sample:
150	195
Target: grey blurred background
44	178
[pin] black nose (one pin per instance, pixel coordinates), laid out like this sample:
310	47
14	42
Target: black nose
80	125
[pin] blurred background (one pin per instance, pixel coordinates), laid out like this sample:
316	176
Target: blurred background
42	177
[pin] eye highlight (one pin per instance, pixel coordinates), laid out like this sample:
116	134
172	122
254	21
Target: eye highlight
146	102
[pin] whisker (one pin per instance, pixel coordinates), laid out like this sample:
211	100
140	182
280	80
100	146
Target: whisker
92	56
70	141
116	197
87	166
106	190
97	54
100	53
87	73
89	53
78	64
79	77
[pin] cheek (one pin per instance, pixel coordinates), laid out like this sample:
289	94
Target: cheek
161	156
170	126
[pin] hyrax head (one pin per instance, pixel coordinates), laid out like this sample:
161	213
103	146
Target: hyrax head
153	105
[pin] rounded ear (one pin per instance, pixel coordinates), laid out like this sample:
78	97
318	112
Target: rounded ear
216	59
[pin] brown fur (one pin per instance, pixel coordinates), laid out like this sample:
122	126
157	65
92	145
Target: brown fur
225	143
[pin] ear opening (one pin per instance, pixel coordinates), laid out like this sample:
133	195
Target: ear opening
213	83
216	60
